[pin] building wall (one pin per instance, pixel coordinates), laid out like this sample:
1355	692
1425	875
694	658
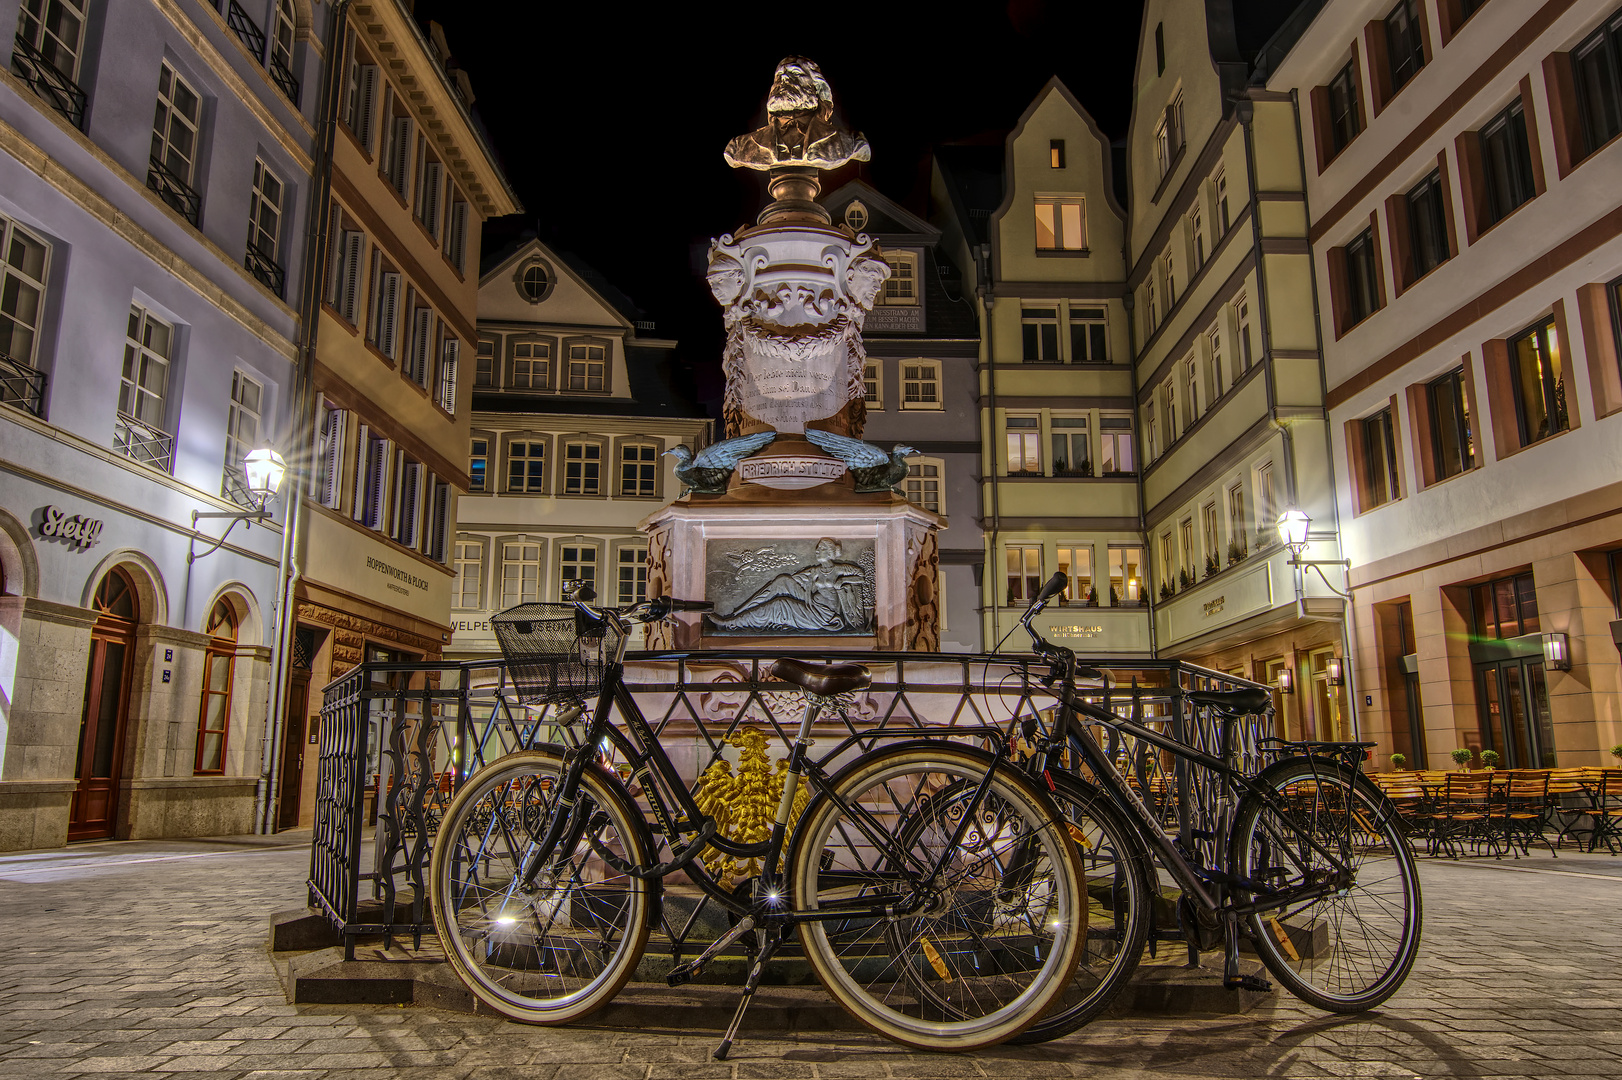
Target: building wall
1549	507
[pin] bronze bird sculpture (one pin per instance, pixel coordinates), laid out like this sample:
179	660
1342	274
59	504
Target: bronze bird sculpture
870	467
710	470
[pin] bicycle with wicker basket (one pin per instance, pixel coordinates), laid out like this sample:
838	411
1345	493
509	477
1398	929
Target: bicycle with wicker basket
931	885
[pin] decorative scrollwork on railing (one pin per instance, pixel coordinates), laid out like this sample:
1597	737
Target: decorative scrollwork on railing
266	269
174	190
61	92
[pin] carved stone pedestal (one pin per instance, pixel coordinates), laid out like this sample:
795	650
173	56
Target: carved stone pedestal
823	566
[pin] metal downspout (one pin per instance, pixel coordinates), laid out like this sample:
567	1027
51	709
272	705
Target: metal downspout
986	291
1142	461
289	569
1348	627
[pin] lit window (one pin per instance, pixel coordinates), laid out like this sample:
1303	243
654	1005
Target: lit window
520	573
1115	432
1076	563
1024	574
1024	446
1126	576
478	465
241	436
1266	505
1056	153
469	567
901	287
1540	385
1061	223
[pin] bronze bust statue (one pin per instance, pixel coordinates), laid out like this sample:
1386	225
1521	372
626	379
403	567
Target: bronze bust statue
799	129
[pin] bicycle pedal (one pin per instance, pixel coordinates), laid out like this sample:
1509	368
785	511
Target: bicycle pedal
1248	982
682	974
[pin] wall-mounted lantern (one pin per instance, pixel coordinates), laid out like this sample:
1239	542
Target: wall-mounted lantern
1556	652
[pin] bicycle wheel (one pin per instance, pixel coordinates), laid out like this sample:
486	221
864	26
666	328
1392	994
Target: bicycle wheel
994	936
1117	874
563	949
1349	950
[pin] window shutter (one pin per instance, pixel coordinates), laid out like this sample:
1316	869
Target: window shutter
377	487
422	332
335	264
408	511
433	177
363	469
353	242
400	161
447	375
440	525
365	126
456	243
332	459
388	331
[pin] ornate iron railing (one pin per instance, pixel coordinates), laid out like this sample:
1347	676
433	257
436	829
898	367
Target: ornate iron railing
22	386
397	739
267	270
248	30
284	78
174	190
61	92
144	443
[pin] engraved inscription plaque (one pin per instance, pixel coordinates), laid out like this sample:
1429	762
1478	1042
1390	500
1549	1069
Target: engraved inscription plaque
785	588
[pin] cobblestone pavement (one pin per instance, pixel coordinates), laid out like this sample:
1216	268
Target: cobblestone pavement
149	958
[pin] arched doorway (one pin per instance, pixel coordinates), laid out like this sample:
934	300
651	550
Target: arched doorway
94	812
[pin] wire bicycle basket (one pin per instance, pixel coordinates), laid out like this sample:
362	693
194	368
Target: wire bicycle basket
555	652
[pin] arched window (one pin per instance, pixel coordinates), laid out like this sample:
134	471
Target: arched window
219	664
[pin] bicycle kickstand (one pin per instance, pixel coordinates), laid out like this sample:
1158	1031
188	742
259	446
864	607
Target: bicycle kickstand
771	937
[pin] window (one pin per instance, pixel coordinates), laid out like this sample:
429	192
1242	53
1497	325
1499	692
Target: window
1404	42
579	563
373	458
582	468
1196	234
478	465
1056	153
1151	431
1168	409
343	288
1191	387
639	470
923	485
456	235
921	385
435	544
1168	270
1221	185
1061	223
526	466
174	144
1343	111
466	593
520	572
360	97
586	368
24	259
396	158
1451	441
281	50
142	390
1597	66
330	478
633	575
1040	329
1219	385
1540	387
1072	451
484	363
1150	308
534	282
450	356
1505	608
1427	226
532	365
1024	446
1076	563
241	436
265	227
1115	432
430	187
1241	315
1380	477
384	331
1266	502
1168	565
872	385
1506	160
421	345
1362	279
1190	564
901	287
1089	336
856	215
1236	520
410	484
219	662
1169	136
1160	49
55	30
1209	534
1024	574
1126	576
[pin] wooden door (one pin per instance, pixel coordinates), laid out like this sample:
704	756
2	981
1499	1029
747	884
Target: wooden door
93	813
292	771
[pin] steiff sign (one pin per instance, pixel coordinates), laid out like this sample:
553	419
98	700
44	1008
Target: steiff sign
76	529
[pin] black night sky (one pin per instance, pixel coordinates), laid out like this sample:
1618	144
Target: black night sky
610	117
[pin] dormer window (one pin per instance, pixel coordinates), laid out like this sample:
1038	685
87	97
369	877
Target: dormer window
535	281
856	215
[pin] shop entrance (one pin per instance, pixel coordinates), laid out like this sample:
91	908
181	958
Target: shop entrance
1513	697
93	814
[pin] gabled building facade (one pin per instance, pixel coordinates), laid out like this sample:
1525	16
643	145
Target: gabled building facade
1462	167
922	342
574	403
1229	388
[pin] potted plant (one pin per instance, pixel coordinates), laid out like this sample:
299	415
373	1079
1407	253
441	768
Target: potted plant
1461	758
1091	599
1184	579
1212	565
1166	591
1114	597
1616	751
1399	761
1489	760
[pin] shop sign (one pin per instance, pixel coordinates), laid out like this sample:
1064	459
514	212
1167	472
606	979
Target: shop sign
395	574
79	531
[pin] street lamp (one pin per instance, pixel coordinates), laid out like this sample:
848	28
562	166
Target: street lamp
1336	671
1292	529
264	469
1286	681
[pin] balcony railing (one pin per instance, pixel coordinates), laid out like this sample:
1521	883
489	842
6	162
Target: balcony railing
142	442
61	92
174	191
267	270
283	78
246	28
21	386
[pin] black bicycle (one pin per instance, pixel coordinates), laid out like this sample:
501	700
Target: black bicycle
1310	860
933	891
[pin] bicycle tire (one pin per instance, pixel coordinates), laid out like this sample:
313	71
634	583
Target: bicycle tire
1351	950
565	949
987	937
1118	874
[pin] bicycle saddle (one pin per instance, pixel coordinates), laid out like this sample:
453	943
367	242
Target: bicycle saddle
1232	701
823	680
